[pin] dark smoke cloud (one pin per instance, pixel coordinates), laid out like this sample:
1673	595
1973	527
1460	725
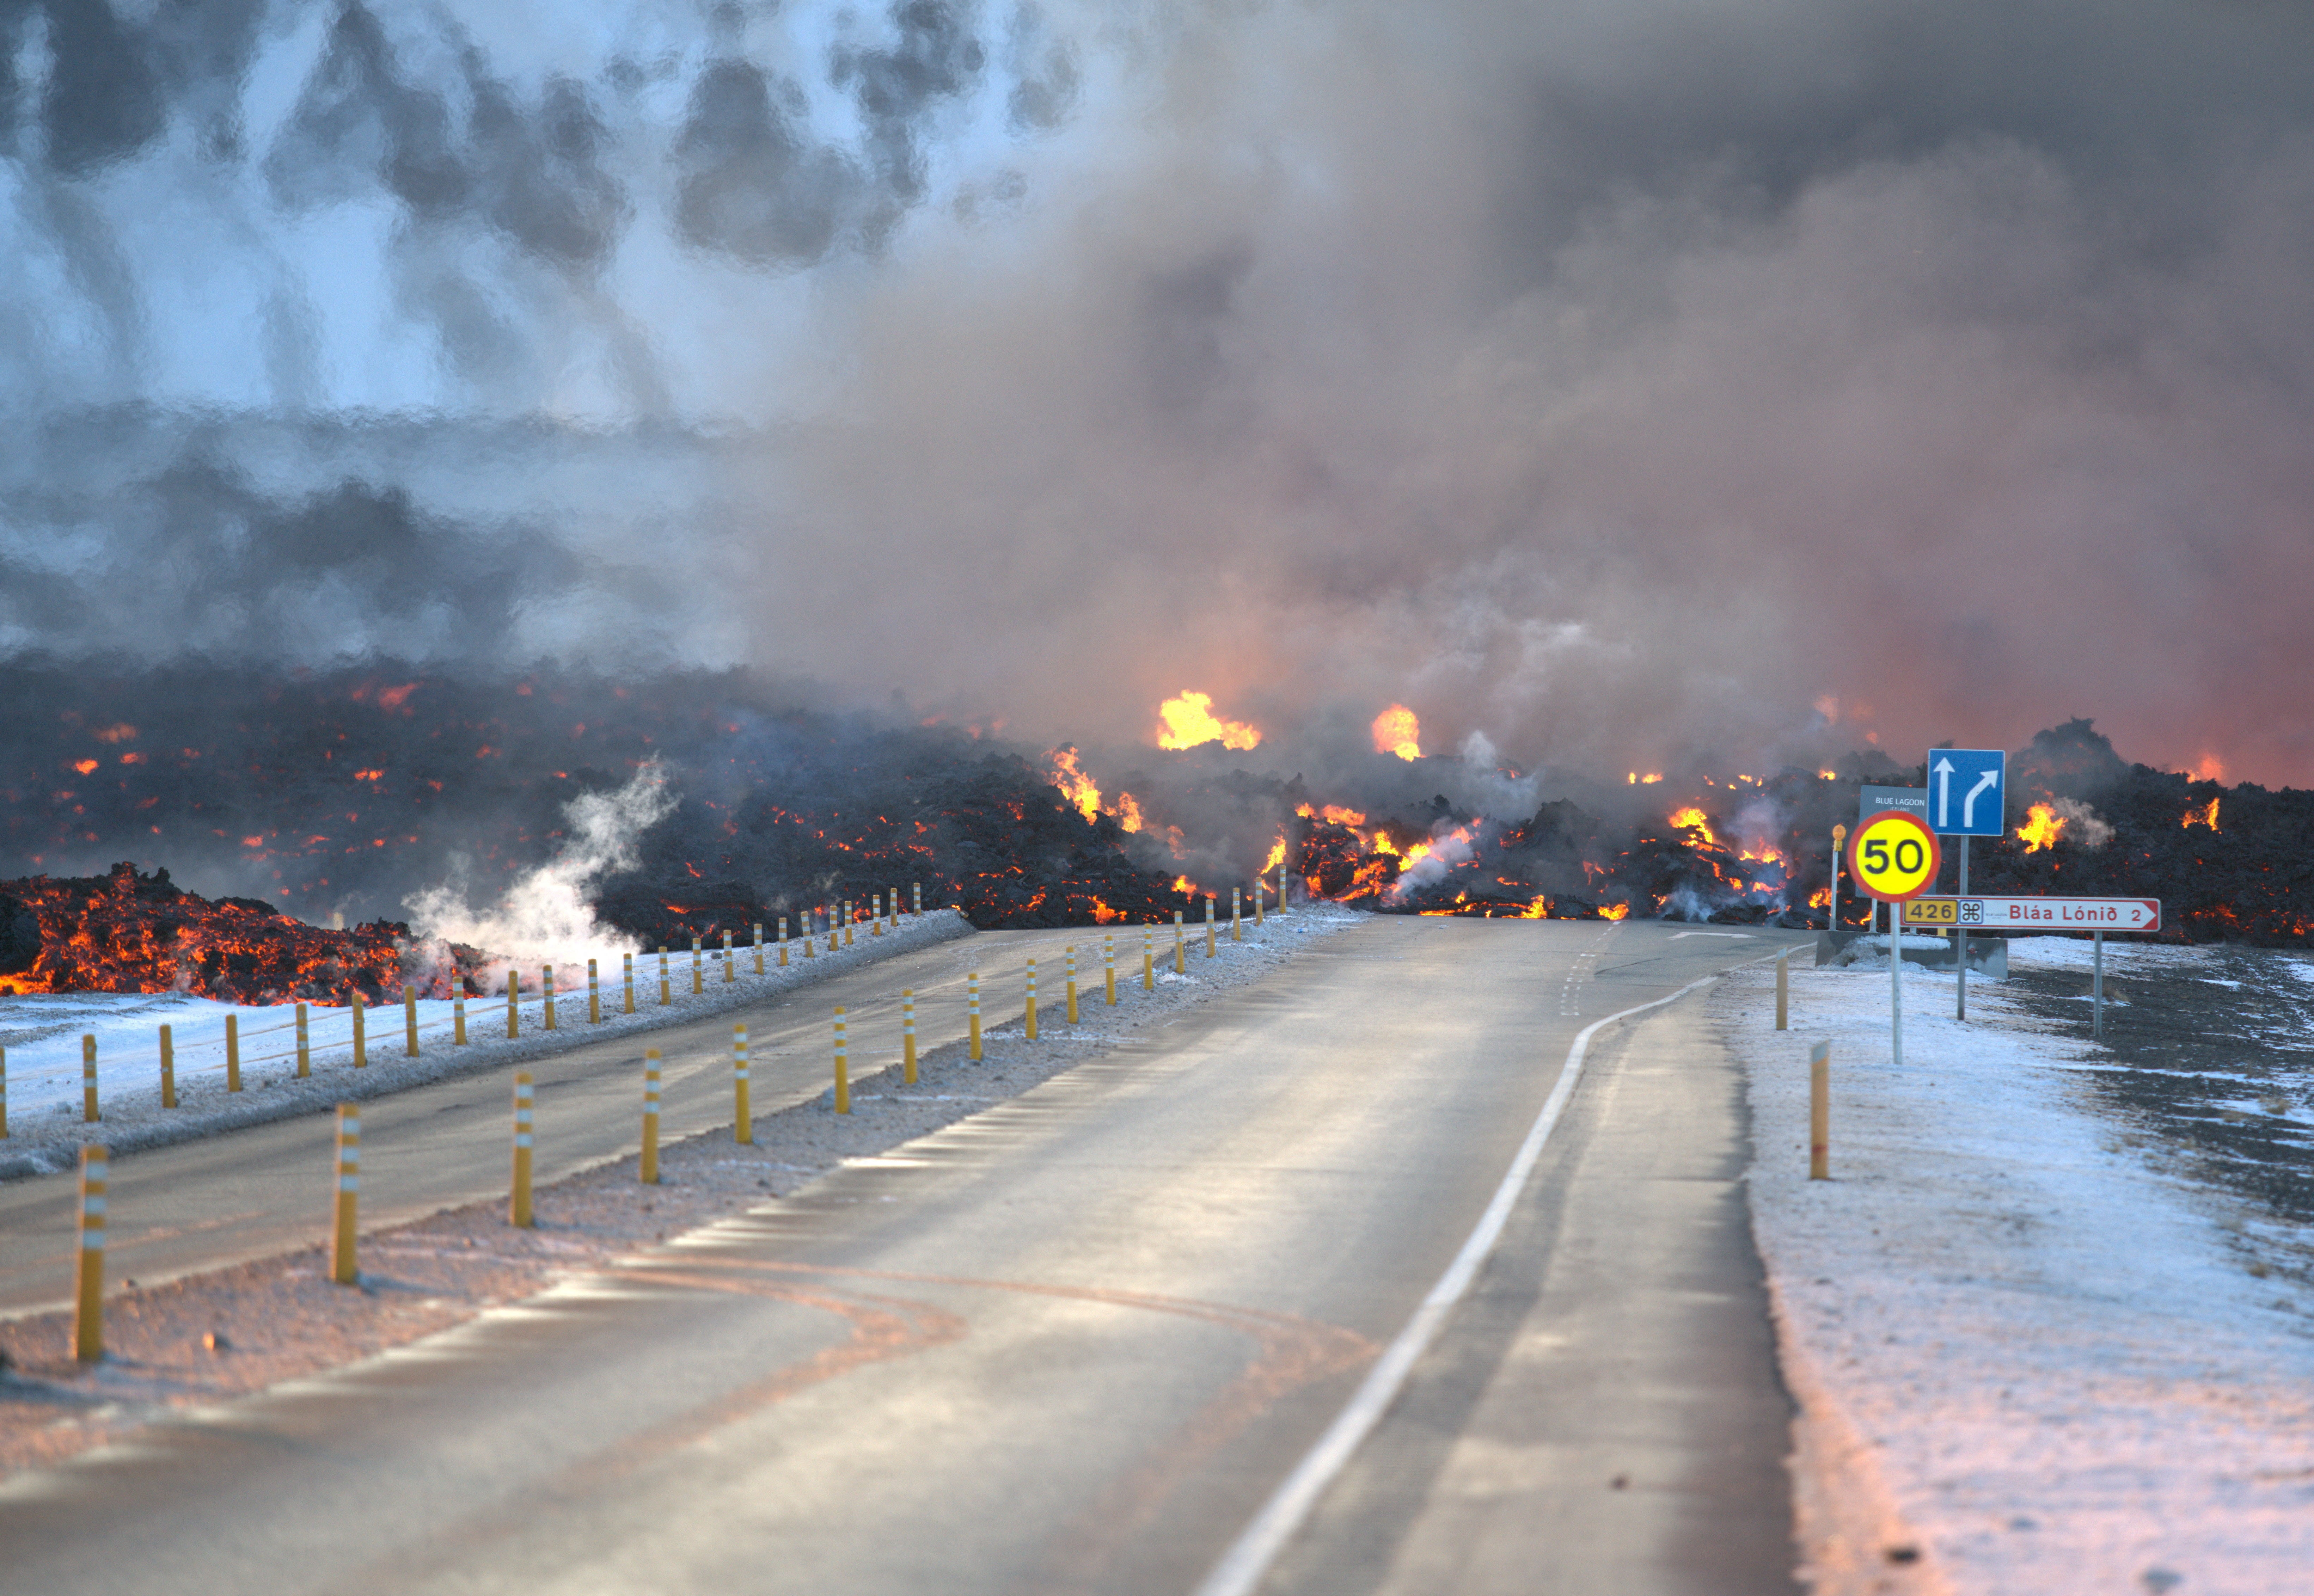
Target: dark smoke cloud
1623	385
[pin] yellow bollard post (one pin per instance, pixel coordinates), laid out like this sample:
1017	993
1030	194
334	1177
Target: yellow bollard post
919	896
1820	1112
4	1093
1237	918
784	941
908	1035
875	913
1180	953
1209	925
361	1043
627	980
850	915
650	1171
1281	889
759	948
457	1011
730	968
409	1020
88	1285
347	1196
514	996
1072	954
1783	992
1029	1026
665	988
1259	893
971	1000
1148	959
810	934
743	1119
594	993
88	1080
232	1063
1108	965
304	1047
518	1201
698	971
546	990
842	1070
168	1069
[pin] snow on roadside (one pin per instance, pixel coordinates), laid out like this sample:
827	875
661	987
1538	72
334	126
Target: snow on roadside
2042	1357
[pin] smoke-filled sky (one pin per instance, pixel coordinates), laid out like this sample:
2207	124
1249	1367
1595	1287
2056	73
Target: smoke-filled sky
1621	382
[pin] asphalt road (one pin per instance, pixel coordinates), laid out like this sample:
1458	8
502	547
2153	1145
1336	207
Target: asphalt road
1075	1342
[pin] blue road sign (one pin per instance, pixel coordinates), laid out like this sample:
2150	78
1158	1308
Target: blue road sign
1967	789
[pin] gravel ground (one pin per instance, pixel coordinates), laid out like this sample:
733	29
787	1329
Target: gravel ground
133	1117
205	1338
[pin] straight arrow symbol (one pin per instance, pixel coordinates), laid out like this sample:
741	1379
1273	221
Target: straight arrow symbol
1944	794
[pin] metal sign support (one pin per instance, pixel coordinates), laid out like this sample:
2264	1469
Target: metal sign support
1896	981
1960	939
2097	984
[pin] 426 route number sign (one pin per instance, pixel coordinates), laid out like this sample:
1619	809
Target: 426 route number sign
1894	856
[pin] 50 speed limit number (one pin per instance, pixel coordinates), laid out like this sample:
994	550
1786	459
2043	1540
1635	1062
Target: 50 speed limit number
1894	856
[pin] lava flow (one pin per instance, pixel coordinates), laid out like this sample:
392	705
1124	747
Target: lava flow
129	932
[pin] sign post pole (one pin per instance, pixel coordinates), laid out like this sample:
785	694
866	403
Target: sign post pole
1960	941
2097	984
1896	981
1838	835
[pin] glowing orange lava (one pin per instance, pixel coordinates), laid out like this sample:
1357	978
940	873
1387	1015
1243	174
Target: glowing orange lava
1333	815
2203	814
2042	828
1075	785
1649	780
1397	731
1614	911
1190	722
1692	819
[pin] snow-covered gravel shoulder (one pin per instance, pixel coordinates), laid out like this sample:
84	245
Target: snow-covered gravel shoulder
42	1037
2026	1361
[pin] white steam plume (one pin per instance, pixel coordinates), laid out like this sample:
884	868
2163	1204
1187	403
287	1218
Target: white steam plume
546	916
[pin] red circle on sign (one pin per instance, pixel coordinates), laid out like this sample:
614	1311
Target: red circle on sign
1879	826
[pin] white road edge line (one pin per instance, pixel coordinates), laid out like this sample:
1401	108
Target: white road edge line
1248	1560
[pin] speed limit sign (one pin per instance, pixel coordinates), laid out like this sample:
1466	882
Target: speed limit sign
1894	856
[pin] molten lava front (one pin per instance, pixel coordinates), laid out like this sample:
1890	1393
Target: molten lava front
357	793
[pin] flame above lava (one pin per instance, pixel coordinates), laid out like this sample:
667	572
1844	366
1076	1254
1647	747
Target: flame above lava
1397	731
2202	815
2042	828
1333	815
1691	818
1634	780
1075	784
1190	722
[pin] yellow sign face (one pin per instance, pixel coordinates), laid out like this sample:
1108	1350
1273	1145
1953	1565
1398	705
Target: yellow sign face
1894	856
1933	911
